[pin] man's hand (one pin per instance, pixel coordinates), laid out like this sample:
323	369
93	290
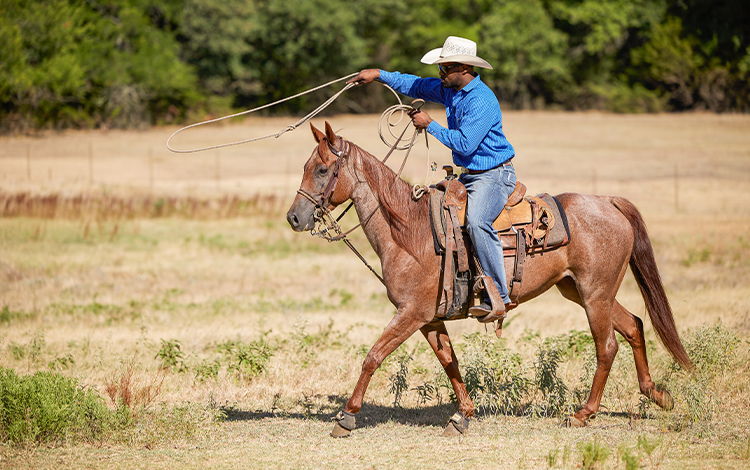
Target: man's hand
364	77
420	119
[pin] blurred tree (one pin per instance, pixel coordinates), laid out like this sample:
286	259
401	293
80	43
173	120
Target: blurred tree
263	50
71	63
128	63
527	53
699	55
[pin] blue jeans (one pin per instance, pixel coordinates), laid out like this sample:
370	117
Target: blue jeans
488	193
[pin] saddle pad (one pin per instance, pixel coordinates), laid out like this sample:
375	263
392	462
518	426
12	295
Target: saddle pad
559	234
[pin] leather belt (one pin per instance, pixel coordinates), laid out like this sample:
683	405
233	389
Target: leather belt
476	172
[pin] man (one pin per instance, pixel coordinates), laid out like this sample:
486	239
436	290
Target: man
475	135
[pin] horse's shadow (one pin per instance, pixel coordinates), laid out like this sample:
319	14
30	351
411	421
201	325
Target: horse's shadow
371	415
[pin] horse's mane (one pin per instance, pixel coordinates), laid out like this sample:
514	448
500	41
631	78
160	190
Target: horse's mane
408	219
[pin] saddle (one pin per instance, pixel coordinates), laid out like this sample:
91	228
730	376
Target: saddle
528	225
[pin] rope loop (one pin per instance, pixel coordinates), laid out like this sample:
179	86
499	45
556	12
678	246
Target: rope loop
311	115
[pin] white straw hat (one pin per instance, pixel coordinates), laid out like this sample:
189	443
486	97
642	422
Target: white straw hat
455	49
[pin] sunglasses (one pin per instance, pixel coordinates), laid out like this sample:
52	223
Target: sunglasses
447	68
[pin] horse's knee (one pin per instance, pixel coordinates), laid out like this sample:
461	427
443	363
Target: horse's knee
371	363
608	353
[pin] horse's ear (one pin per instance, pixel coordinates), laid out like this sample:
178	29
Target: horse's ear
316	133
330	134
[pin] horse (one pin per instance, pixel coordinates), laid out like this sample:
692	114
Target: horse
606	235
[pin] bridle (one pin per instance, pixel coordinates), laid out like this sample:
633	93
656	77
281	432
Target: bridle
326	226
322	197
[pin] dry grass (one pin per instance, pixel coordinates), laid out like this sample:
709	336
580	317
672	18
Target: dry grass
90	292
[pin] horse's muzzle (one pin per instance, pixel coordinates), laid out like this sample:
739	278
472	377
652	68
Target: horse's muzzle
300	216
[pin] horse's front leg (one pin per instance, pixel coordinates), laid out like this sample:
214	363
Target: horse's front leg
437	336
404	324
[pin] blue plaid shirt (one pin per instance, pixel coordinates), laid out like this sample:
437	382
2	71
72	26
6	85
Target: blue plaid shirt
475	126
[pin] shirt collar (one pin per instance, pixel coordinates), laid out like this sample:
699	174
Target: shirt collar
471	85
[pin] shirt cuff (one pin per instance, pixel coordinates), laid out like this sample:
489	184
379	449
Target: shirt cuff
434	128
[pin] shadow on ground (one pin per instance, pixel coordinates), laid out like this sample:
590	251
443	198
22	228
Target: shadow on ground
369	416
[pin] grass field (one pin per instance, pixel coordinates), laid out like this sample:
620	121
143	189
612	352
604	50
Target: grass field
237	339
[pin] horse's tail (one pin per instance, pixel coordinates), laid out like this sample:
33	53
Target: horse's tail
643	265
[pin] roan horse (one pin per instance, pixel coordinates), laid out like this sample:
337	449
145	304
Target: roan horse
607	234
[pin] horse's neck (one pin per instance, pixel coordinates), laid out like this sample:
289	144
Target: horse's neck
368	204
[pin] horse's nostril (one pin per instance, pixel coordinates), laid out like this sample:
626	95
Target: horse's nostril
293	220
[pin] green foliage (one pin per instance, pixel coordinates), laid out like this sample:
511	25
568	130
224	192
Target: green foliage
631	460
398	384
131	63
47	408
494	376
67	63
207	370
528	54
171	356
555	394
246	360
712	348
572	344
593	454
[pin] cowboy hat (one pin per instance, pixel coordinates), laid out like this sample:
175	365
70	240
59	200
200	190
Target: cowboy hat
455	49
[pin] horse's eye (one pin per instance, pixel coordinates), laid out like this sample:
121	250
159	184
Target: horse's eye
323	170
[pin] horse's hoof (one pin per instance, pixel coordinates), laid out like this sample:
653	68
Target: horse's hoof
457	425
339	431
667	403
345	422
451	430
572	422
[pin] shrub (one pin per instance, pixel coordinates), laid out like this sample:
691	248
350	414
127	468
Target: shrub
398	382
494	376
712	349
49	408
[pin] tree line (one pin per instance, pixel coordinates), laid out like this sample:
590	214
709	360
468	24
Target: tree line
133	63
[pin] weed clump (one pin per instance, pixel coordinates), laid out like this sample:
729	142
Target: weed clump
246	360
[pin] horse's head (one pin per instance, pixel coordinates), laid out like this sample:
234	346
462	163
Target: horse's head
321	186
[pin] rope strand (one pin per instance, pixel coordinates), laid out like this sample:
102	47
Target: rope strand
311	115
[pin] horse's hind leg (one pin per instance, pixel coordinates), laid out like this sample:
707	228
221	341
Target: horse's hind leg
437	336
631	328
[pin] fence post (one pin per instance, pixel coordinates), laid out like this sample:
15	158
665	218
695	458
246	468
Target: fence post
91	163
676	190
151	168
218	169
